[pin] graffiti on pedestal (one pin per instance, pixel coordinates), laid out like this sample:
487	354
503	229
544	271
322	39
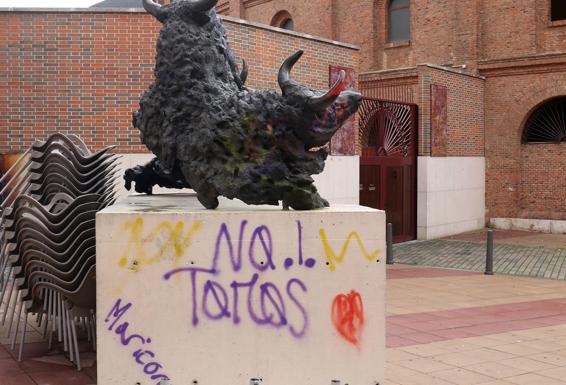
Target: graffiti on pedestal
348	316
265	304
251	298
250	279
116	323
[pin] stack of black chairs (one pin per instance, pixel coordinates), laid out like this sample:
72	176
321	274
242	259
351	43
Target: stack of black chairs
47	241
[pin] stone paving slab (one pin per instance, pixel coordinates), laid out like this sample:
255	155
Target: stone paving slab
540	262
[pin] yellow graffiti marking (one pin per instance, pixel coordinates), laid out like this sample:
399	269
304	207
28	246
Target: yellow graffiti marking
333	258
172	238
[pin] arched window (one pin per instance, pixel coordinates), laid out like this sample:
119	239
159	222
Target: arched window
547	123
283	20
399	20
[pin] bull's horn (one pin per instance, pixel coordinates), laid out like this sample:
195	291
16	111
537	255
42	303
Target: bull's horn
285	70
244	73
204	5
319	103
155	9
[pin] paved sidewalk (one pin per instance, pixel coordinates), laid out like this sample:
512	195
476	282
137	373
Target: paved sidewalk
515	253
447	327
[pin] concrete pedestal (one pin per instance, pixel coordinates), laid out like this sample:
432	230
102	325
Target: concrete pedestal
220	297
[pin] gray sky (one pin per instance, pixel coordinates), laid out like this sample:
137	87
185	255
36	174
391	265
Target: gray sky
47	3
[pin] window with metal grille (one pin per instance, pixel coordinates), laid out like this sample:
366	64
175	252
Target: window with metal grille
557	10
288	24
399	20
547	124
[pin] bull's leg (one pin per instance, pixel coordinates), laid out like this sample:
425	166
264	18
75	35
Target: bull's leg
206	193
304	199
207	196
150	174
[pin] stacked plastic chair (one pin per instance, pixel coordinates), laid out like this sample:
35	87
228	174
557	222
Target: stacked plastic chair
47	240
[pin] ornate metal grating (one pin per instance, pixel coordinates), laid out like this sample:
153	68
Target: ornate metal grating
387	127
547	124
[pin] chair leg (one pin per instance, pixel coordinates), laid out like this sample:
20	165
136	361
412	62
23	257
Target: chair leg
92	324
54	310
50	340
75	342
23	339
86	327
65	326
6	281
8	303
18	320
60	316
69	335
45	325
2	293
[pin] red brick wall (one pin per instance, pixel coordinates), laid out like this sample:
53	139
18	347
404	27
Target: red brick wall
354	22
543	185
441	29
84	72
465	110
465	115
444	32
401	86
508	28
519	176
312	17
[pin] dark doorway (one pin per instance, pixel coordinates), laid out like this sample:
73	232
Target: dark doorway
388	170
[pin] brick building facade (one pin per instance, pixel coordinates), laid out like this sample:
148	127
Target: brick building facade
476	70
500	61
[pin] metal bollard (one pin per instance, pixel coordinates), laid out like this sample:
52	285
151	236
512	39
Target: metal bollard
335	382
390	259
255	381
489	254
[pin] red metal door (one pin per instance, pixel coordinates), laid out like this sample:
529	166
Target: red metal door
388	176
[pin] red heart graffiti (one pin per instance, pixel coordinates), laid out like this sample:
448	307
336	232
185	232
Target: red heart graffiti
348	316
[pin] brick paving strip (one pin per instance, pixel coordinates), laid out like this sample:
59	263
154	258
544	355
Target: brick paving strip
519	260
423	328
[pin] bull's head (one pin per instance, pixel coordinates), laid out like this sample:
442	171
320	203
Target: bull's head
323	112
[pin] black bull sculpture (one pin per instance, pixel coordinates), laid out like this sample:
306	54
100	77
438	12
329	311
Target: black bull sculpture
211	133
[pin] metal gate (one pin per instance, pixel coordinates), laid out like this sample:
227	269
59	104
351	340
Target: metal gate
388	175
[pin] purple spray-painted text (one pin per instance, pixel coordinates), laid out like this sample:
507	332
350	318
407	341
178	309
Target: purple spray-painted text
150	366
266	304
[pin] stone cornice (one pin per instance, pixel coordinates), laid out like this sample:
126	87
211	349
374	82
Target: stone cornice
524	65
253	3
390	74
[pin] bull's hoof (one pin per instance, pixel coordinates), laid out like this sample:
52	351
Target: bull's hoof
139	176
306	202
209	202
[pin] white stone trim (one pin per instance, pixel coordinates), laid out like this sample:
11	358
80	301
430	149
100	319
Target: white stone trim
548	226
